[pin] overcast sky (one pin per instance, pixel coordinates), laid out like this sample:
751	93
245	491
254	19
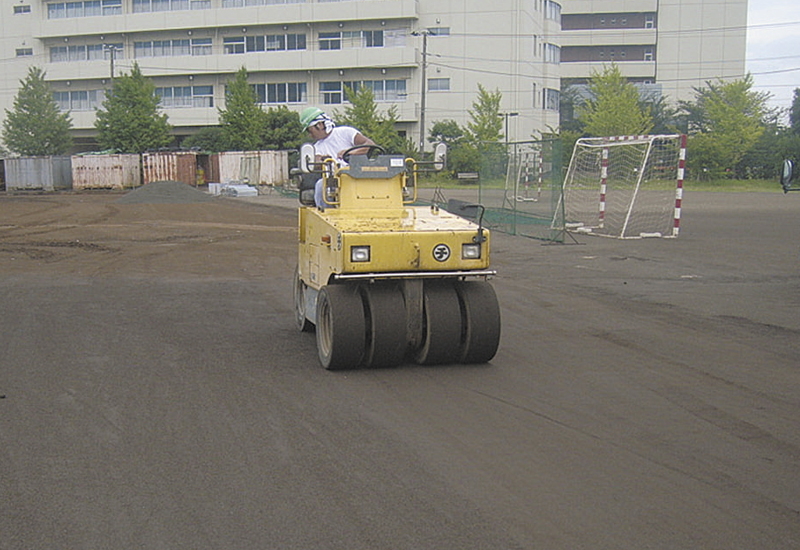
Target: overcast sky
773	48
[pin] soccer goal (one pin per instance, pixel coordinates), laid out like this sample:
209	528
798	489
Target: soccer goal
625	187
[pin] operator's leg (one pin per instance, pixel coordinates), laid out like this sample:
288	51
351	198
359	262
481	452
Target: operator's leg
318	195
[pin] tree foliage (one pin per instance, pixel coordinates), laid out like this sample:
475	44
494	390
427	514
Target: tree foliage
208	139
35	126
614	107
794	112
477	147
362	114
130	121
486	124
242	120
282	129
724	122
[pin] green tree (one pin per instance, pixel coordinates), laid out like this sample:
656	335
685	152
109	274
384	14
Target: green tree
449	132
613	108
484	135
35	126
794	112
724	122
282	129
486	124
130	121
208	139
242	120
362	114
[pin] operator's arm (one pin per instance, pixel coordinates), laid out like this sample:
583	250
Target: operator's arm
358	139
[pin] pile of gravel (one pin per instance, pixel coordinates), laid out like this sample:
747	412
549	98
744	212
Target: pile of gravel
165	192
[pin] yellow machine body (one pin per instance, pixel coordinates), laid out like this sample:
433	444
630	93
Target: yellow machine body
383	280
402	239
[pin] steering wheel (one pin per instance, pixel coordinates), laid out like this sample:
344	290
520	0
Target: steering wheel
370	149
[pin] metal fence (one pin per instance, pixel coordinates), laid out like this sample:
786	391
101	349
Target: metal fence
520	187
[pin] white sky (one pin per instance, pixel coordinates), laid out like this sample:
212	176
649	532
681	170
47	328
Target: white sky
773	48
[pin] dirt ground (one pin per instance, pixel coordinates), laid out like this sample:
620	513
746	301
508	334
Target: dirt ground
155	394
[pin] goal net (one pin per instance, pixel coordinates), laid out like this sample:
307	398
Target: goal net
625	187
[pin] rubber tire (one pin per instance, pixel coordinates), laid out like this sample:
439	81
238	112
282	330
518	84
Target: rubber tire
480	321
441	324
341	327
386	325
298	291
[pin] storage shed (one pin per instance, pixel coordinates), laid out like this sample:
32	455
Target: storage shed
106	171
38	173
253	167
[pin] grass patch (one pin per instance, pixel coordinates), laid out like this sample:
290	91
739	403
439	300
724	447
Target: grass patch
725	185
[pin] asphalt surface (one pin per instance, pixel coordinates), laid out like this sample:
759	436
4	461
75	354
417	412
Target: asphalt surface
154	392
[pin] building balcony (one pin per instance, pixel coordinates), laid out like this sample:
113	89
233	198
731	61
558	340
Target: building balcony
609	6
608	37
215	18
273	62
629	69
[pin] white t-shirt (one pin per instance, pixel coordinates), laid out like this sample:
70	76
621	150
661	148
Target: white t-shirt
340	138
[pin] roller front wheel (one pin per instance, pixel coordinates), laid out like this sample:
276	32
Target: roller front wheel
341	327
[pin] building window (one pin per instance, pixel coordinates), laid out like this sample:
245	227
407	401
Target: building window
87	8
372	39
233	45
283	92
84	52
287	92
86	100
439	84
438	31
177	97
201	46
649	21
552	53
551	99
648	54
24	52
144	6
261	43
330	92
552	10
382	90
330	41
25	8
333	93
161	48
243	3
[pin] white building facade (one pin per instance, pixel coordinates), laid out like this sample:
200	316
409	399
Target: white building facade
670	46
307	52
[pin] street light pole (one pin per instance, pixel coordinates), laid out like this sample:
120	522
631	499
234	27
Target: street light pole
505	116
424	34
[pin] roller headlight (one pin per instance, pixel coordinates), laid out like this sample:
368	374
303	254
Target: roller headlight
471	251
359	254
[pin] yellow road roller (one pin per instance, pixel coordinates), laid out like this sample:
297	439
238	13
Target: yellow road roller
383	281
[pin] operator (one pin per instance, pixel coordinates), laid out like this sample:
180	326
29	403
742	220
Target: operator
330	141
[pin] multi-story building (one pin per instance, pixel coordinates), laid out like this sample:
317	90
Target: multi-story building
670	46
308	52
297	53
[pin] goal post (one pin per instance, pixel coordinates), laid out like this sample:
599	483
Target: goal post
625	186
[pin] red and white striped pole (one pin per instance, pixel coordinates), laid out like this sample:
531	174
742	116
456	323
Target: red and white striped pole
679	190
541	174
603	183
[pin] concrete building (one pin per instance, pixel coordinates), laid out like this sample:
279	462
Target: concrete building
670	46
306	52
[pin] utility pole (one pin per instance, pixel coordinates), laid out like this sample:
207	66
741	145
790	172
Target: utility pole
111	54
424	34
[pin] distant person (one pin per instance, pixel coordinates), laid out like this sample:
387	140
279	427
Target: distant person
330	141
